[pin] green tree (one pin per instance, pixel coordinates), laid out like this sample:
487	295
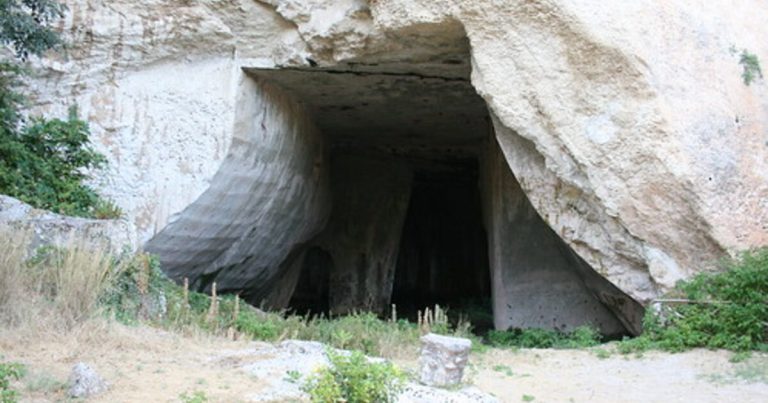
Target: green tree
26	25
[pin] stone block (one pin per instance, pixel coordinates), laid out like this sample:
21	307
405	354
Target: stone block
443	359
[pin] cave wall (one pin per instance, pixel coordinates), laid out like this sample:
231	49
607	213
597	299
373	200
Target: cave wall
534	281
370	200
270	196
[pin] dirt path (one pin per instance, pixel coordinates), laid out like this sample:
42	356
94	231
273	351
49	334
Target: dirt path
581	376
148	365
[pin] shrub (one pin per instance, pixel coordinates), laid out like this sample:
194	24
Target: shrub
582	336
8	373
720	310
352	378
45	165
136	289
751	66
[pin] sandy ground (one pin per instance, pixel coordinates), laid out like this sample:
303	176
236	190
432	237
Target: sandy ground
149	365
581	376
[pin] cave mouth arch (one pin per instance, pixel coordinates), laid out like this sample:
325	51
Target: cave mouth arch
392	130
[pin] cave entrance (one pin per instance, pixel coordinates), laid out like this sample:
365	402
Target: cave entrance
443	255
425	208
310	296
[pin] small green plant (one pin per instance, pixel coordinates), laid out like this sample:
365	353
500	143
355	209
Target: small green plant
293	376
9	372
751	66
43	382
106	210
602	353
580	337
740	356
194	397
504	369
352	378
528	398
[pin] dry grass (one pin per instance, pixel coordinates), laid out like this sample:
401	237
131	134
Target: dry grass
12	249
55	288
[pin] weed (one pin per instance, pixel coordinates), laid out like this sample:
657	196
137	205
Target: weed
9	372
504	369
293	376
580	337
749	370
752	371
353	378
740	356
602	353
195	397
528	398
751	66
43	382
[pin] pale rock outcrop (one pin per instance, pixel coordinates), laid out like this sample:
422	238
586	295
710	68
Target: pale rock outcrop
49	229
626	123
84	382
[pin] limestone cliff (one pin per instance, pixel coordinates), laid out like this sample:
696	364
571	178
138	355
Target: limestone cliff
627	124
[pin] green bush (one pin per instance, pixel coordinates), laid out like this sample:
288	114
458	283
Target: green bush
580	337
9	372
45	165
751	65
259	328
725	310
352	378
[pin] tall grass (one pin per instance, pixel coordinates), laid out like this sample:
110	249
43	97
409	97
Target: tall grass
58	287
12	280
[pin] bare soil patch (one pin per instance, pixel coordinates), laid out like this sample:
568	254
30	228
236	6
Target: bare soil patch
143	364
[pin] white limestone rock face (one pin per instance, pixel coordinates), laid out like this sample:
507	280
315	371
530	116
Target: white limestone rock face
626	123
